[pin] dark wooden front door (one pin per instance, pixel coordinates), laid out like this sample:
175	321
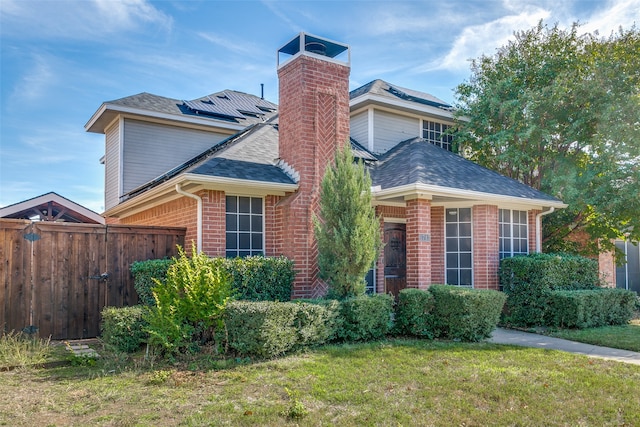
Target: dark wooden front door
395	258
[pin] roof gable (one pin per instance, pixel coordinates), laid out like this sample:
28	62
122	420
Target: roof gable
51	207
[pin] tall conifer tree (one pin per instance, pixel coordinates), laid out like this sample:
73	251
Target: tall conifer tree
347	229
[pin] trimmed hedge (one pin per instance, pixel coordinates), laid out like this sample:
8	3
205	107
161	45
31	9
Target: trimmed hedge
528	280
268	329
259	278
590	308
414	313
253	278
143	274
365	318
124	327
466	314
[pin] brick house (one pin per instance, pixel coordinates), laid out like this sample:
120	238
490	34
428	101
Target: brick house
243	174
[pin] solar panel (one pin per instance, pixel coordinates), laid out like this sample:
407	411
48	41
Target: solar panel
231	104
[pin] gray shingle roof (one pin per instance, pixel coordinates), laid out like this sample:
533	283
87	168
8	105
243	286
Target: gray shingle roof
234	104
416	161
382	88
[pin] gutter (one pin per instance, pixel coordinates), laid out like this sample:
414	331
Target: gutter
179	190
539	228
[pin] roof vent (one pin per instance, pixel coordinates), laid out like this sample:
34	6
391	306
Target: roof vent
316	47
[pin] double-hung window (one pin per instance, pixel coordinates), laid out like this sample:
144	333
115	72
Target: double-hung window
245	226
514	233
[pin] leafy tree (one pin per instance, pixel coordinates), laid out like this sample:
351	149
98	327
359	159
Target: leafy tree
347	230
560	111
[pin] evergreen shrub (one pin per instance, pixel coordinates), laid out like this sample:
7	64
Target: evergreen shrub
590	308
466	314
365	317
528	280
414	313
253	278
124	327
269	329
144	273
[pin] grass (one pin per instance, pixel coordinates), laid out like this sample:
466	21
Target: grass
18	350
393	382
625	337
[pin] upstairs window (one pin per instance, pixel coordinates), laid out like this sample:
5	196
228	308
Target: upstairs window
434	132
245	226
514	233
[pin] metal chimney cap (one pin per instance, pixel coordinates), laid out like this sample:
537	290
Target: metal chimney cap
319	47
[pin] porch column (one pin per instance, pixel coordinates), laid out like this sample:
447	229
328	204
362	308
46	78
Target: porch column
485	247
418	213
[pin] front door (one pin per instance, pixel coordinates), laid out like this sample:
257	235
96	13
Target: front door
395	258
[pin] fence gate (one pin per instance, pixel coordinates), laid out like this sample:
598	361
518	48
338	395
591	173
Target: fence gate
57	277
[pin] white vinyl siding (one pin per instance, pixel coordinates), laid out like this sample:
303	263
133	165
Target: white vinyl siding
112	167
359	128
390	129
152	149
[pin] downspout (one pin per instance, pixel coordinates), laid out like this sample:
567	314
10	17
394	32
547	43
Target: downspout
179	190
539	228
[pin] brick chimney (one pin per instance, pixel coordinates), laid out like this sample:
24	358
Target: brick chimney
313	124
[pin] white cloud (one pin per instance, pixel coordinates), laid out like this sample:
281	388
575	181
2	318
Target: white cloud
38	79
271	5
616	13
481	39
78	19
243	48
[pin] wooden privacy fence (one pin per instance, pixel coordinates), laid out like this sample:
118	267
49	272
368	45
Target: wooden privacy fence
57	277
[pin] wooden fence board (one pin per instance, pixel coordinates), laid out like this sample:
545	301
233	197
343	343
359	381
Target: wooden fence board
54	283
15	273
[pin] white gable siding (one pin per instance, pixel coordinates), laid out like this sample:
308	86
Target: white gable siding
112	167
152	149
390	129
359	128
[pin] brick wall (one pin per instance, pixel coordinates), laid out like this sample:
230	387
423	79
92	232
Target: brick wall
437	245
418	248
314	122
485	247
531	217
182	212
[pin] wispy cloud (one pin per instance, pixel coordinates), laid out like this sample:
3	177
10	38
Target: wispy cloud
38	78
243	48
78	19
272	6
615	14
481	39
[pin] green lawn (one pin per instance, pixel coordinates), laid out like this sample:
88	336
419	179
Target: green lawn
394	382
625	337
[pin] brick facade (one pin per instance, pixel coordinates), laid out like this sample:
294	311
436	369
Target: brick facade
418	243
313	124
485	246
437	245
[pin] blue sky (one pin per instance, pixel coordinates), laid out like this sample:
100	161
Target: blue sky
60	59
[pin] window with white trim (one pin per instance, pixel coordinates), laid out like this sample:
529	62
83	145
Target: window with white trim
514	233
458	247
435	133
244	226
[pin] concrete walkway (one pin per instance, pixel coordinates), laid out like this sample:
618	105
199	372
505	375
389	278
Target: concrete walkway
526	339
